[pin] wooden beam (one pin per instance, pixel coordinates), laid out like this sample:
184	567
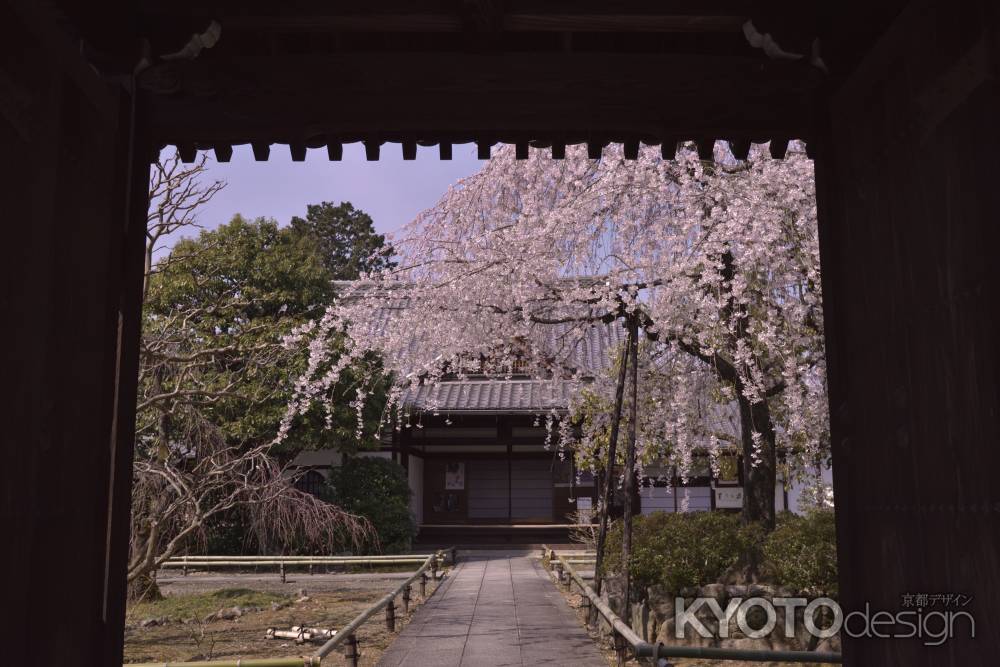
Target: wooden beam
188	152
740	148
261	151
444	150
668	148
630	148
298	151
480	16
508	98
622	22
223	152
778	148
409	150
335	151
706	149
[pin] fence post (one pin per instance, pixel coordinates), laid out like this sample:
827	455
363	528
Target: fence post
351	650
619	648
406	599
434	568
390	615
423	585
282	568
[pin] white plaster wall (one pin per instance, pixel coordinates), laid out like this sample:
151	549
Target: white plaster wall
375	455
661	499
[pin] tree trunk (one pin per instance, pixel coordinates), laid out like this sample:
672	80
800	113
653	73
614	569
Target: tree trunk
630	480
610	467
144	589
759	464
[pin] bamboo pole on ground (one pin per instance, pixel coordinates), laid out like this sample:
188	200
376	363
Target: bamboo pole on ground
308	661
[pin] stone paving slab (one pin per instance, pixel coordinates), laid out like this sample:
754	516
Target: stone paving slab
495	609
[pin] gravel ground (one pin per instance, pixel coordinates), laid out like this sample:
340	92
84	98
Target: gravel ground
333	600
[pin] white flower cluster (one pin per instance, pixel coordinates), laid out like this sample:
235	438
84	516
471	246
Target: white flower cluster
520	260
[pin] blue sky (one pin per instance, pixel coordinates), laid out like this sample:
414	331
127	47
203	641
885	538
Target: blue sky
391	190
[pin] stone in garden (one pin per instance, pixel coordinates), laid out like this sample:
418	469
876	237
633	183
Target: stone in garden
829	645
736	591
760	590
717	591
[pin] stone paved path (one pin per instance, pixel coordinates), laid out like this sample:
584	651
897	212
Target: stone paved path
495	610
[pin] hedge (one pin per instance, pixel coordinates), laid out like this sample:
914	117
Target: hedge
681	550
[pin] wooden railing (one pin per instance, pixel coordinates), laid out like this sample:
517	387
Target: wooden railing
284	563
625	637
347	635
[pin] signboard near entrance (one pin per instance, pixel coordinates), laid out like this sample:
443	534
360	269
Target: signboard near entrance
454	476
729	498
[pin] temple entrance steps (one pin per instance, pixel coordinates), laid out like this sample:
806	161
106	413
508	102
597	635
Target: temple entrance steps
521	535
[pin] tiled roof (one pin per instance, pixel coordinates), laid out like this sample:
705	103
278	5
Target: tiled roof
507	396
594	351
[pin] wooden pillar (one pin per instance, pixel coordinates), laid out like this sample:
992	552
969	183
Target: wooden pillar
401	444
75	176
908	207
351	654
390	616
504	435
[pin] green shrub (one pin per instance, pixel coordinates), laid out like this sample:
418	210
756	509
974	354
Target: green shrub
802	552
378	490
226	534
677	550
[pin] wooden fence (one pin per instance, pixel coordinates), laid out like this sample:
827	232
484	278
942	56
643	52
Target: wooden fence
625	637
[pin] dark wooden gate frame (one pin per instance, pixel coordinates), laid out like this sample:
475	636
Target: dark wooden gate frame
904	138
